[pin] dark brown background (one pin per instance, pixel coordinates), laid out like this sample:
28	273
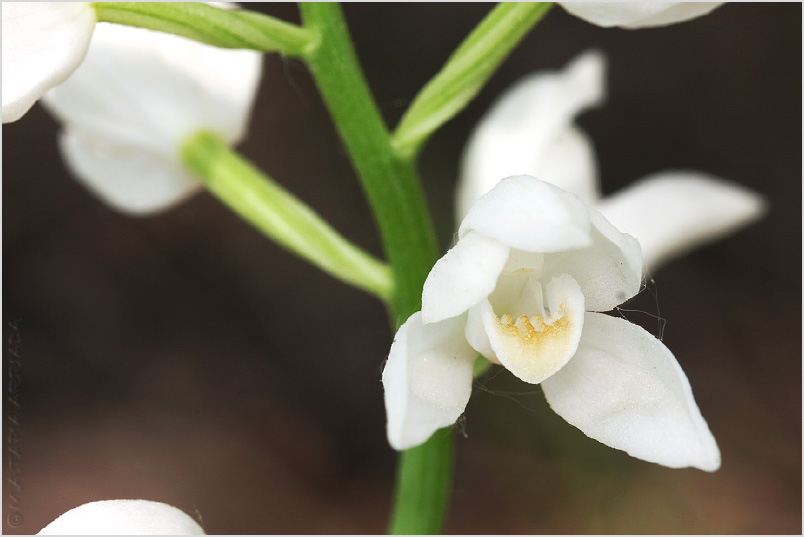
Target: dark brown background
183	358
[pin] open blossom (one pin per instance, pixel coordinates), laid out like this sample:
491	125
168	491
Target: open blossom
530	130
523	286
43	43
634	15
123	517
133	102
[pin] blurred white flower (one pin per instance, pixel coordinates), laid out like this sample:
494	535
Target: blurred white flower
43	42
123	517
138	95
530	130
532	266
634	15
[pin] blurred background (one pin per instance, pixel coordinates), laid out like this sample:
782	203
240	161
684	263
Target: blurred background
184	358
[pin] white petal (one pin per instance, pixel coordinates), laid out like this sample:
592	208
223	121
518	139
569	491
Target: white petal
466	274
625	389
638	14
529	131
43	42
531	215
427	379
123	517
154	89
609	271
570	164
129	179
149	90
671	213
475	331
534	346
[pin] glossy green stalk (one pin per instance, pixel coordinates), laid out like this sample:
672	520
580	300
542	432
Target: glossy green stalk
466	71
389	180
225	28
280	215
423	483
392	187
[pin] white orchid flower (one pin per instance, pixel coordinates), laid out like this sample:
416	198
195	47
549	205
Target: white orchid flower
123	517
530	130
522	286
43	42
634	15
137	96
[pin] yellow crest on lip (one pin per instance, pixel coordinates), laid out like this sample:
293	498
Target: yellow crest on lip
533	346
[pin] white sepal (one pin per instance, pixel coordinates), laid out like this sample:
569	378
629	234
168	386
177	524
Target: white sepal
123	517
43	43
530	215
634	15
427	379
529	130
125	177
625	389
673	212
140	90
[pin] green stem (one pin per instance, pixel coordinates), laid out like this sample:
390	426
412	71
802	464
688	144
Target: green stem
392	187
481	366
466	71
424	478
225	28
389	180
280	215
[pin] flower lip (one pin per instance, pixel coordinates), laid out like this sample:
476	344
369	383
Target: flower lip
535	334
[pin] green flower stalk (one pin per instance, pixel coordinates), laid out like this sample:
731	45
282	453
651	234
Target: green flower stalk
280	215
224	28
